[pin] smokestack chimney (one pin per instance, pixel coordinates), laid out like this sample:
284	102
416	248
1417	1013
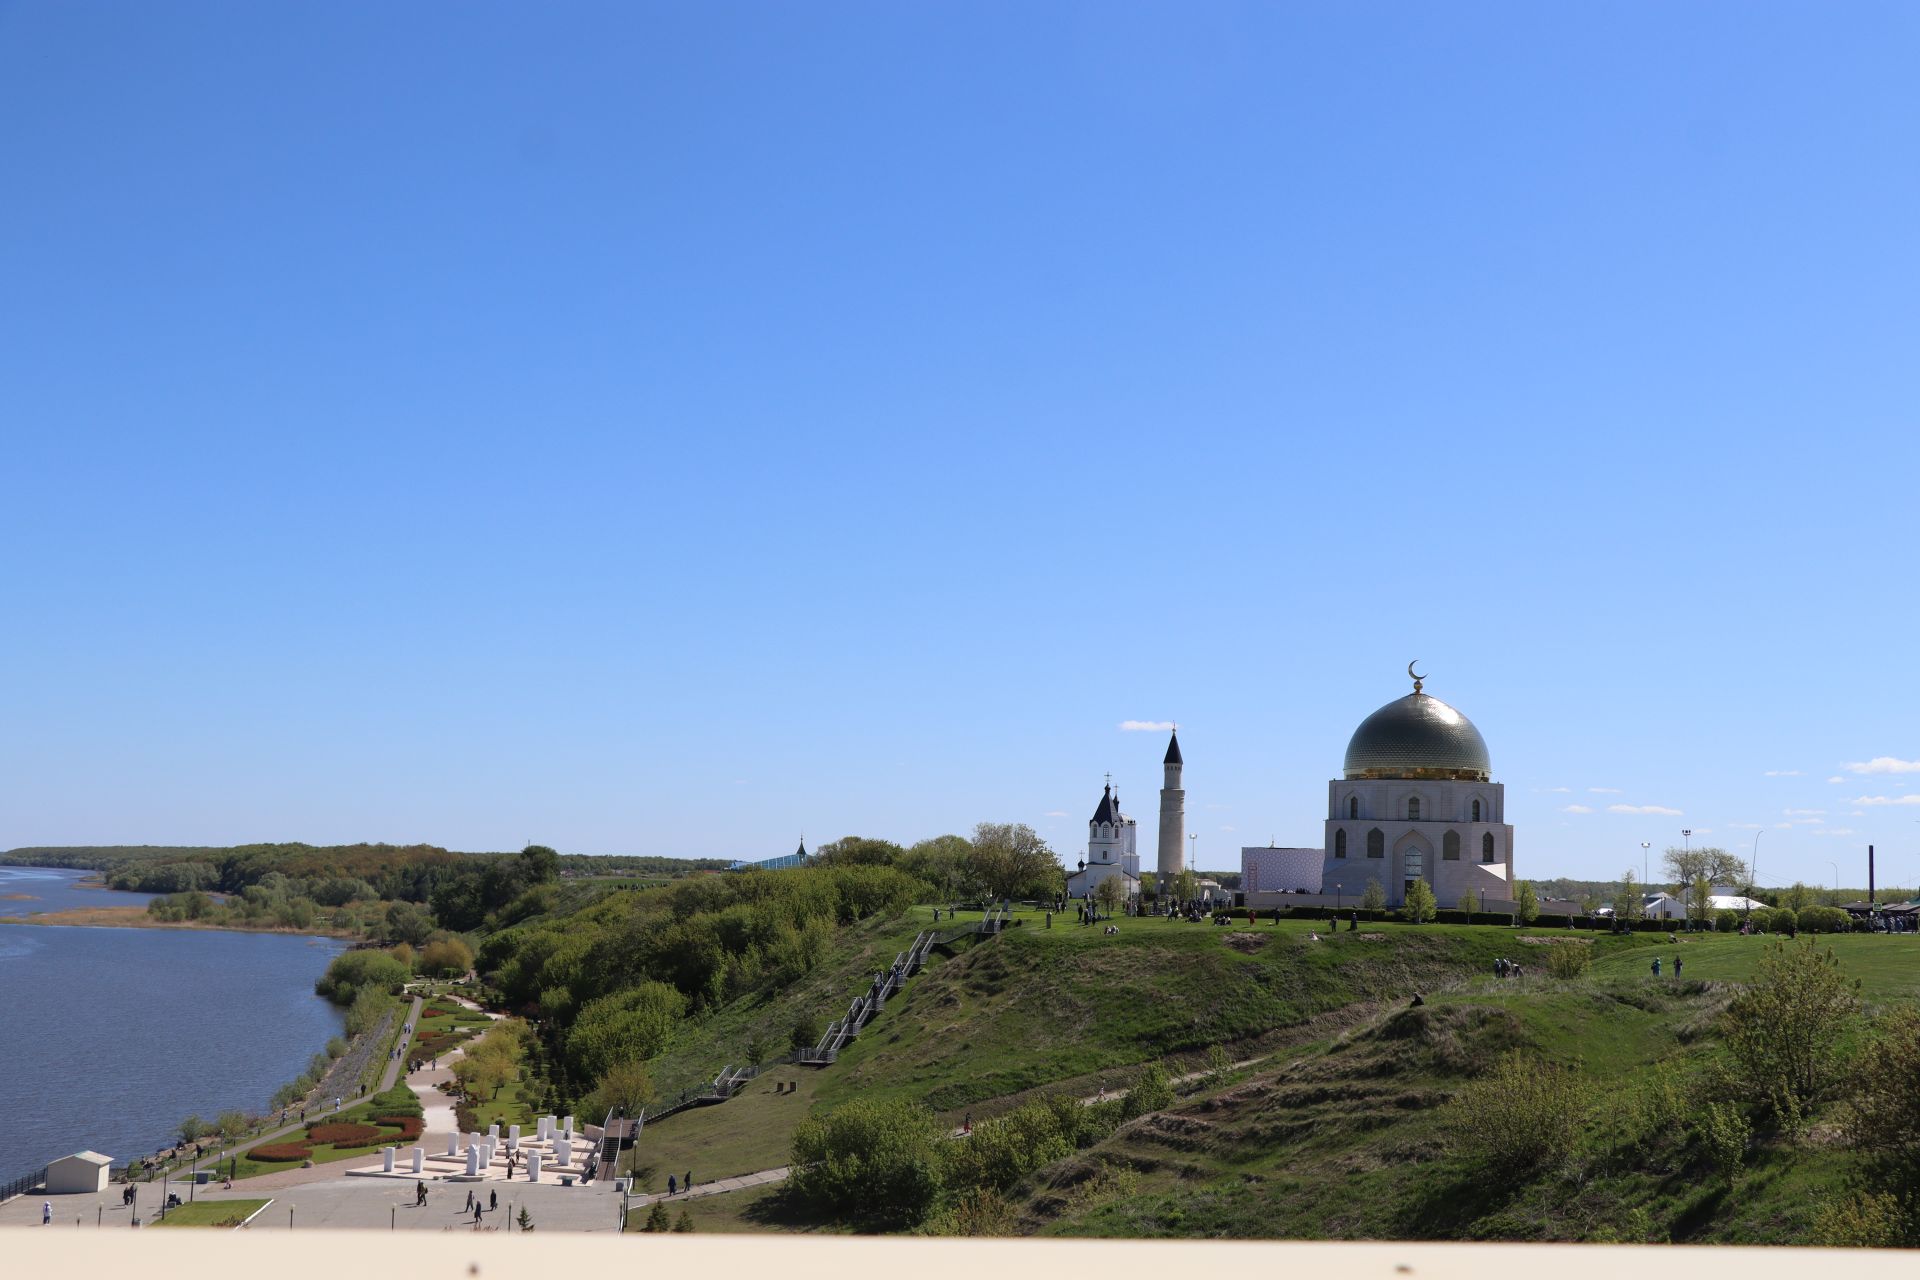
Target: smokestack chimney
1869	875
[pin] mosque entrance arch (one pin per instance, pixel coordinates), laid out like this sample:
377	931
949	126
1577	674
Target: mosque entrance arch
1415	855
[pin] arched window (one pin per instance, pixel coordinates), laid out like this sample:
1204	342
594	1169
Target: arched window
1450	847
1415	865
1476	811
1376	843
1486	847
1340	843
1353	806
1413	809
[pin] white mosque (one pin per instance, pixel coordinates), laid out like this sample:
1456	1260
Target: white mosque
1416	801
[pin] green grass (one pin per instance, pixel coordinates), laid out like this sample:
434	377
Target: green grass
212	1213
749	1132
1888	965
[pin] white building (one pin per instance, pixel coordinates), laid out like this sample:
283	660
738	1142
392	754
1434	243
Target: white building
1111	850
81	1173
1667	906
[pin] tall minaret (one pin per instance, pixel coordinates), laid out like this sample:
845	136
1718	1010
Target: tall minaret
1173	818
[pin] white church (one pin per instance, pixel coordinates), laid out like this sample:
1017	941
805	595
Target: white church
1416	801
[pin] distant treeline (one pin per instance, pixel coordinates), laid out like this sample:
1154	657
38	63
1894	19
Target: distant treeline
623	864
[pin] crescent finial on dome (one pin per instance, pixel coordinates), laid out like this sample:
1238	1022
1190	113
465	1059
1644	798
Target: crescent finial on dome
1418	680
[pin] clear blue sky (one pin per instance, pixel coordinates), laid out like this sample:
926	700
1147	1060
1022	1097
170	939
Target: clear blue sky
674	428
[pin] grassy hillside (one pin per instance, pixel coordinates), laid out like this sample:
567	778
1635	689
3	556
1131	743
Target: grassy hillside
1353	1113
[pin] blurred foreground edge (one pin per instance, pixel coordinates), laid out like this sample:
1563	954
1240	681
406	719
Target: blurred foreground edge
340	1255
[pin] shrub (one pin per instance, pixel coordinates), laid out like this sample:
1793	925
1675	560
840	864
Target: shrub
806	1032
1421	904
281	1152
685	1221
1727	921
1149	1090
1824	920
1781	920
448	957
397	1101
1784	1029
342	1134
1002	1151
877	1161
1569	960
1884	1120
1726	1132
1524	1113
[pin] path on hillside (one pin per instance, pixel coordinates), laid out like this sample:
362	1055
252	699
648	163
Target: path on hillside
405	1042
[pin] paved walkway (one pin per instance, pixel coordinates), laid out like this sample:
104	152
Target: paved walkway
392	1073
763	1178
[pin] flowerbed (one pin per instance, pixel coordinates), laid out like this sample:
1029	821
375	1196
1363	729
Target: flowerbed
341	1134
277	1152
411	1127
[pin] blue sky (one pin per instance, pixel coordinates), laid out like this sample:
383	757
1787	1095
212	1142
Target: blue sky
674	428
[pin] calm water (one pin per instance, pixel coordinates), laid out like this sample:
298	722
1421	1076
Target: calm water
110	1037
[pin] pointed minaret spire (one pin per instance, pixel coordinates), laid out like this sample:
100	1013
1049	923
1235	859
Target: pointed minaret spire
1173	816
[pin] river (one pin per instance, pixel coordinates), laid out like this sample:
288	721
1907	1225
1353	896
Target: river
110	1037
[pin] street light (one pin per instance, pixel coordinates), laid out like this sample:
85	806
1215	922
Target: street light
1644	874
1686	834
1836	881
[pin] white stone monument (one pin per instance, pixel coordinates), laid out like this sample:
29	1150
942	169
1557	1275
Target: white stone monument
563	1152
533	1166
513	1133
473	1161
419	1159
386	1159
493	1130
453	1144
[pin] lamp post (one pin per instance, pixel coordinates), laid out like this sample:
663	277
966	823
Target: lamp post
1836	881
1645	845
1686	834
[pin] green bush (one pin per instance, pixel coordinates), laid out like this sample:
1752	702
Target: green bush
1824	920
1569	960
1149	1090
874	1162
1002	1151
1785	1029
1727	921
1781	920
1525	1113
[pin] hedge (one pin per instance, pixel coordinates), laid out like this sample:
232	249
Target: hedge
279	1152
411	1127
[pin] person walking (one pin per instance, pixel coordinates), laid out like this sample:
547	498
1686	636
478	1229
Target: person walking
673	1188
46	1213
1656	966
493	1201
687	1182
476	1213
1676	968
469	1200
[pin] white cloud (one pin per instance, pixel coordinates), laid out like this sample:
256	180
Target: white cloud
1703	831
1857	813
1576	808
1745	826
1884	764
1605	791
1836	778
1054	813
1837	831
1229	828
1146	726
1783	826
1871	800
1782	773
1558	790
1804	813
1654	810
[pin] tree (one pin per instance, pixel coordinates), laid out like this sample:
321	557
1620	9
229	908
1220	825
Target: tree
806	1031
1797	898
1884	1120
1421	906
1588	904
1526	904
869	1159
858	851
1629	904
446	958
1375	897
627	1087
1714	865
1186	886
942	862
759	1047
538	865
1784	1031
1110	893
1523	1114
408	923
231	1124
1466	903
1011	861
657	1219
191	1128
685	1221
1700	902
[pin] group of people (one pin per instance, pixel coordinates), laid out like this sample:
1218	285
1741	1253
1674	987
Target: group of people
1504	968
685	1184
1676	966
